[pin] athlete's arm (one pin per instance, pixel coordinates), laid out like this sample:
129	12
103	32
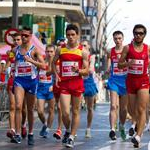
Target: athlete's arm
50	67
149	56
38	59
92	63
55	59
108	62
85	68
122	61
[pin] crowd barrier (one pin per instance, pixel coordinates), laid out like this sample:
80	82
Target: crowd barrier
4	102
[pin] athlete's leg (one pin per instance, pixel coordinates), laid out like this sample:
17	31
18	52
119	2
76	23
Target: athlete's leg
142	101
30	99
51	104
123	102
65	100
114	105
11	110
19	97
40	108
75	103
90	103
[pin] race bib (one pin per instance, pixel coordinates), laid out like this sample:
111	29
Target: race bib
67	68
117	71
24	69
137	66
43	78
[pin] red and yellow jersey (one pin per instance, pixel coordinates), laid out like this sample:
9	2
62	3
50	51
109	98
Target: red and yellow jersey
68	59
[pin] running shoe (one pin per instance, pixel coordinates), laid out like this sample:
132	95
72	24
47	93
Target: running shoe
30	139
131	131
122	133
70	143
135	142
88	133
10	134
46	134
43	130
16	139
65	138
23	132
57	134
112	135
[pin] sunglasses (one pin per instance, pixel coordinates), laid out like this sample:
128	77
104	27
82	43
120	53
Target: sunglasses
25	35
139	33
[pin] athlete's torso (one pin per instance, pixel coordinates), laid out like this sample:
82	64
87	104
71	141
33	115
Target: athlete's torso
23	68
115	71
139	65
69	58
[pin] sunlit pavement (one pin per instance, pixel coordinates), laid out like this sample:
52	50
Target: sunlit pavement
99	140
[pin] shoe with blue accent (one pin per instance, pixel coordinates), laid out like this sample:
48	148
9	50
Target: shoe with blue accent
43	130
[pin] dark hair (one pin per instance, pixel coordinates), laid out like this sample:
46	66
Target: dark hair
27	29
51	46
117	32
16	34
72	27
137	26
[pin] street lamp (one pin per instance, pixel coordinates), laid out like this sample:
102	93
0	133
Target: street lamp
15	14
100	20
103	17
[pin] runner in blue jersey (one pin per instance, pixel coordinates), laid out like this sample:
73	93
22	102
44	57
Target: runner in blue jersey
45	93
28	59
90	88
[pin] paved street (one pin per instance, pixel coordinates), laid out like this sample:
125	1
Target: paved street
99	140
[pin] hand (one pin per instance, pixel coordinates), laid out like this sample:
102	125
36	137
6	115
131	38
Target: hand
129	63
57	81
75	68
28	59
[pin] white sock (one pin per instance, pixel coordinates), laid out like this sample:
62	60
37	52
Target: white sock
133	126
71	137
88	129
138	138
48	129
13	130
113	129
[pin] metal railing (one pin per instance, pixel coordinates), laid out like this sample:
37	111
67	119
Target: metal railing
4	102
63	2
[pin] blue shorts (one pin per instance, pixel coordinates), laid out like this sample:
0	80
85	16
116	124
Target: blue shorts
118	85
29	85
45	91
90	88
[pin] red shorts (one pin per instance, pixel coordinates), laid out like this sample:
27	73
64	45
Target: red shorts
134	84
10	83
73	87
56	91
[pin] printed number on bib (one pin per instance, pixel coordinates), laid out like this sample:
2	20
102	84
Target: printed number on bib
67	68
137	66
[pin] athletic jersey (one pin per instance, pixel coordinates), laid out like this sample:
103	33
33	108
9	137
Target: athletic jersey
23	68
115	71
140	60
43	78
68	59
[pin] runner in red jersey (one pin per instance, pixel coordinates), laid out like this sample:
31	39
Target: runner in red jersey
135	57
73	65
